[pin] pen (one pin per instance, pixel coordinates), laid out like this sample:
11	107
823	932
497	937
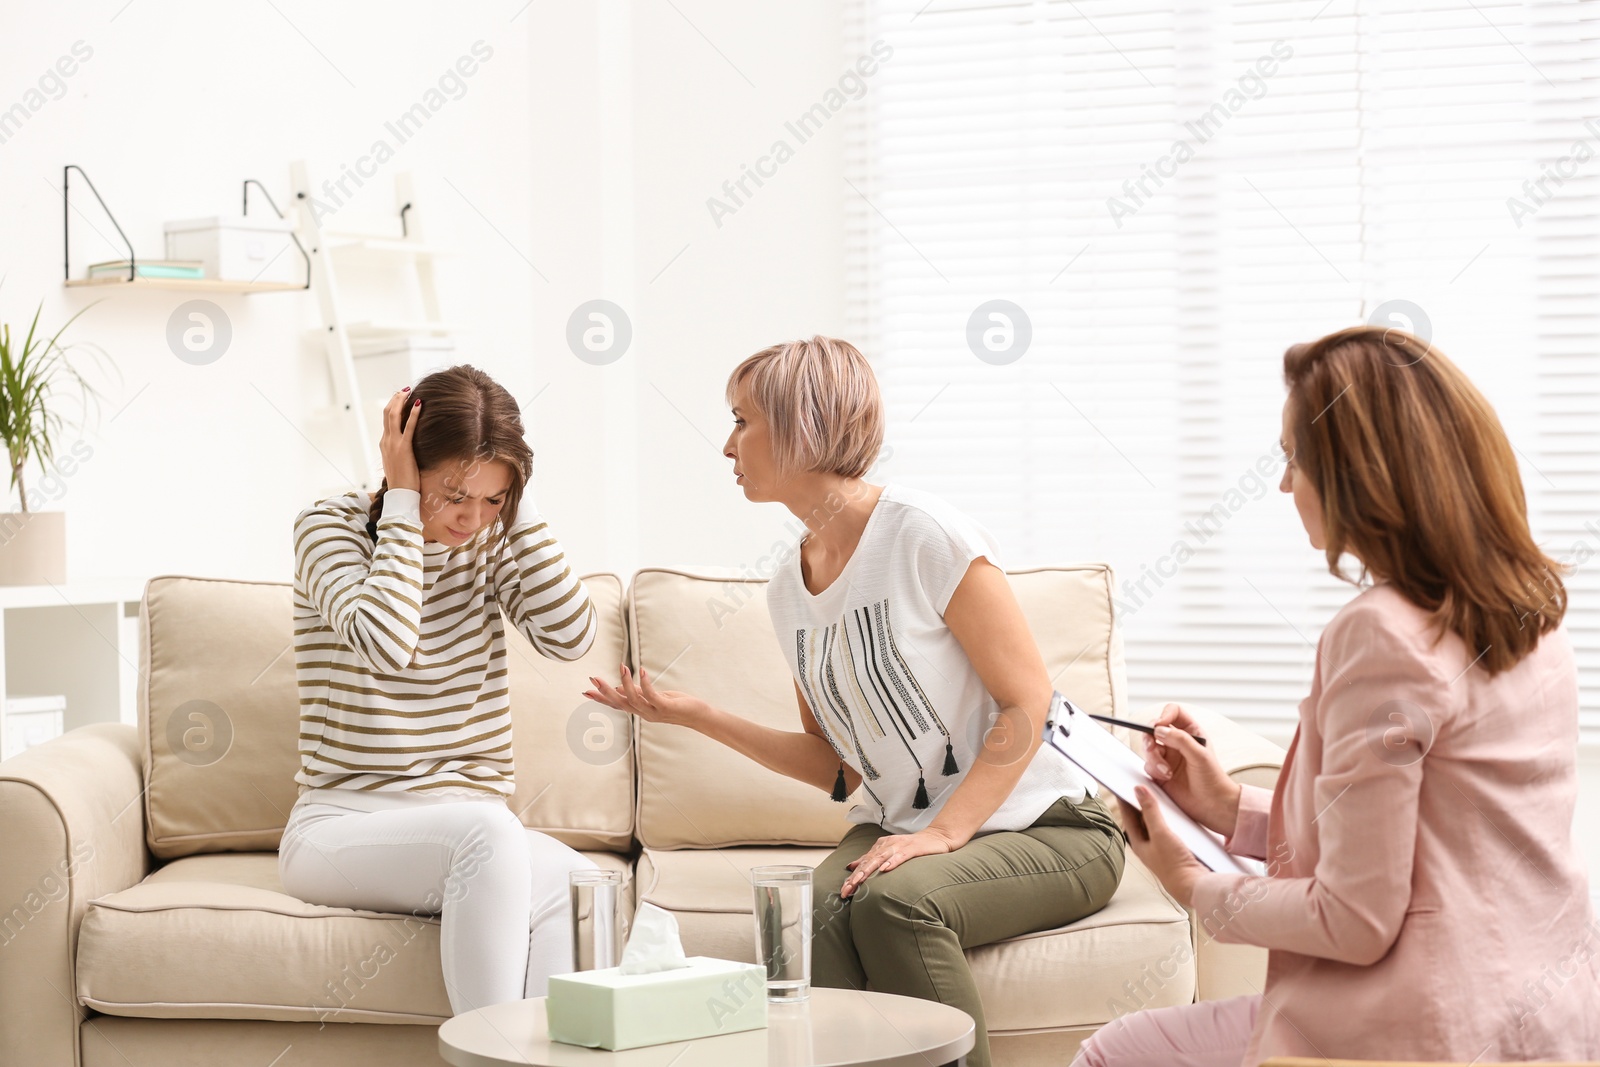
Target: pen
1132	725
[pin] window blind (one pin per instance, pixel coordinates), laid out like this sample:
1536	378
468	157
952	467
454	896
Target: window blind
1160	198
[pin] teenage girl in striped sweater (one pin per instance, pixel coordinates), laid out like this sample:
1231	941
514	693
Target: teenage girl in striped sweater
405	717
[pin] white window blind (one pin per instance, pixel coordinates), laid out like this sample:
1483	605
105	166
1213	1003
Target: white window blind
1173	193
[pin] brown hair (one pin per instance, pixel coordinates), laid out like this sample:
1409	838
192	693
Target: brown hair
470	418
1419	482
822	401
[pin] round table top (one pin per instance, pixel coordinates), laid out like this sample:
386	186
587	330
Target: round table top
834	1028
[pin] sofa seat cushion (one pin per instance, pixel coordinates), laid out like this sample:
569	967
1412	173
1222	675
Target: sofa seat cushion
1136	952
215	937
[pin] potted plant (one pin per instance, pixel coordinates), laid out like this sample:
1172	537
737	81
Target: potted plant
33	543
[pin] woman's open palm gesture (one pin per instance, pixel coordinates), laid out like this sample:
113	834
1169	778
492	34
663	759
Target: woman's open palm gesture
643	699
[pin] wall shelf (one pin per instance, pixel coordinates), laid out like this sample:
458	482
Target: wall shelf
212	285
386	327
385	244
209	285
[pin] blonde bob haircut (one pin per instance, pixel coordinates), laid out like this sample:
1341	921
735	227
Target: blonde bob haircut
821	402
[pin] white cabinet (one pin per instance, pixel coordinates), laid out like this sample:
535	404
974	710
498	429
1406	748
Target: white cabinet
71	653
30	721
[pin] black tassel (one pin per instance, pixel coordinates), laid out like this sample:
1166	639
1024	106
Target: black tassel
838	786
950	758
922	794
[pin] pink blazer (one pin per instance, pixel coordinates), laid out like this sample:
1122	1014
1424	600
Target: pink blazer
1424	897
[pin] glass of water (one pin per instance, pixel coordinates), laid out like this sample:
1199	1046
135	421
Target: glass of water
783	930
594	918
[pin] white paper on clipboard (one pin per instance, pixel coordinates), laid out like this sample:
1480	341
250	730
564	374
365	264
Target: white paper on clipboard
1114	765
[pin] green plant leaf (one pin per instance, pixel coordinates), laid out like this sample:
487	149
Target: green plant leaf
28	424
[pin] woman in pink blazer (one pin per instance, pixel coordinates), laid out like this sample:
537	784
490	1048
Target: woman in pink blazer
1424	899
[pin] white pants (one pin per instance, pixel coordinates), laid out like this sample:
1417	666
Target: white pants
500	889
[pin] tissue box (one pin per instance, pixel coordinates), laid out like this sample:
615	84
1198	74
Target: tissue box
611	1010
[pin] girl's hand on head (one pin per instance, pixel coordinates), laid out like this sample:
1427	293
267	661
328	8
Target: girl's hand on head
399	459
640	697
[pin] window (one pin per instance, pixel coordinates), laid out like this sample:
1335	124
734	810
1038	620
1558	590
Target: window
1165	196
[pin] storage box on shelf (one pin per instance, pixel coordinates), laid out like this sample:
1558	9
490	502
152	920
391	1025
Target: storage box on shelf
242	248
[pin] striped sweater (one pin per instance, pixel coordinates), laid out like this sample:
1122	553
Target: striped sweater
400	653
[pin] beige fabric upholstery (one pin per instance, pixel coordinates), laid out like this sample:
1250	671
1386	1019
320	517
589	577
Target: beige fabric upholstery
711	635
1038	1048
215	937
1079	975
574	757
70	830
218	716
112	1042
1069	610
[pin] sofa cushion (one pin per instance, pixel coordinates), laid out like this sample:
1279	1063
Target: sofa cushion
1135	952
709	634
219	715
216	937
712	637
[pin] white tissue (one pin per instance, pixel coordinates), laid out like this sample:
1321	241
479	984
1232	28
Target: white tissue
654	944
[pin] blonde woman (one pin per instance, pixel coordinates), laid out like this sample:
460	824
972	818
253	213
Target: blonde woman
905	643
405	715
1424	898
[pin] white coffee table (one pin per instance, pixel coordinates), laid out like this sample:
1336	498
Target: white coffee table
835	1028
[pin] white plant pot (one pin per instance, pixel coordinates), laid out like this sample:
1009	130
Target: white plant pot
33	547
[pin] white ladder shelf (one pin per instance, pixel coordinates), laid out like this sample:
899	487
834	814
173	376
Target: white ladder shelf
345	338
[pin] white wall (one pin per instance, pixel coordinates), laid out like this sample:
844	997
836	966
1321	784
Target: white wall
640	115
574	164
202	469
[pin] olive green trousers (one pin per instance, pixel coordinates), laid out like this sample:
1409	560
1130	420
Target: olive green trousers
905	931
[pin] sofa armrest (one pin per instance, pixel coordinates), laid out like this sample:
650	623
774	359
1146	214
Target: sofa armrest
1223	970
71	829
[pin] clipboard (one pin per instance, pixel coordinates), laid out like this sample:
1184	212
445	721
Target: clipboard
1071	732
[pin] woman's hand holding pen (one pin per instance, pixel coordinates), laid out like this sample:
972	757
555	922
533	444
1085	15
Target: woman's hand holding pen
1189	772
1194	780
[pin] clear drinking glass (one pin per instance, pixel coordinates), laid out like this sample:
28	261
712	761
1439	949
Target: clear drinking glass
594	918
783	930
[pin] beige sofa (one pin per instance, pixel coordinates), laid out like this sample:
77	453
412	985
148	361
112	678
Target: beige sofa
144	923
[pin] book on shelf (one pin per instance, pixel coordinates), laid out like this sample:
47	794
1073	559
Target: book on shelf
149	268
